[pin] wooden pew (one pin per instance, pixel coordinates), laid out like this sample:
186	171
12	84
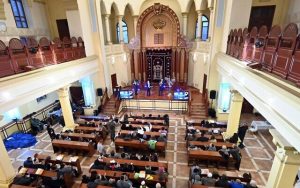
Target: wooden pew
89	118
155	128
217	124
151	134
86	129
203	144
219	138
205	129
42	157
213	156
118	174
69	180
84	185
137	145
74	145
137	163
147	117
141	121
75	136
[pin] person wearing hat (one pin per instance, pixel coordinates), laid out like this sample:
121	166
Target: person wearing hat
209	180
143	185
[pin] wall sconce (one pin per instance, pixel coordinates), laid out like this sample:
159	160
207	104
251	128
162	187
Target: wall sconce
113	60
195	57
125	58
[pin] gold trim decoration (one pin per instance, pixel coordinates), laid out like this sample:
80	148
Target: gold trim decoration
159	24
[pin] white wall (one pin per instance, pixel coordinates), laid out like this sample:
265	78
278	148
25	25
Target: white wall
73	23
33	106
294	12
36	18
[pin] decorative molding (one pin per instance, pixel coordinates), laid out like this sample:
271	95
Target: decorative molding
40	1
159	24
2	12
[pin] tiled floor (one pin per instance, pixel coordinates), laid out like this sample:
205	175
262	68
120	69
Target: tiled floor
257	155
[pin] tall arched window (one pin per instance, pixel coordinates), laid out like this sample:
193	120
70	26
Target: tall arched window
125	32
19	13
204	29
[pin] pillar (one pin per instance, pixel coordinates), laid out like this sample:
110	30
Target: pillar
135	20
184	18
285	164
211	22
2	12
235	113
7	172
199	23
120	20
144	64
186	65
132	65
85	21
173	63
64	99
107	27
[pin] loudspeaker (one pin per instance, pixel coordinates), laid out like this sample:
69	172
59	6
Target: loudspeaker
99	92
212	94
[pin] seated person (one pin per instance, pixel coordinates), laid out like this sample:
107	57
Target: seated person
152	143
236	184
222	182
22	179
161	138
36	124
98	163
154	157
202	138
211	147
209	180
224	152
212	139
252	184
101	180
123	182
28	163
163	131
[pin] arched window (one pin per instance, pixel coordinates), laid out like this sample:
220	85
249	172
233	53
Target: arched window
19	13
204	29
125	32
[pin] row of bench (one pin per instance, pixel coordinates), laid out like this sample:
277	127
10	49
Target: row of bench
18	57
276	51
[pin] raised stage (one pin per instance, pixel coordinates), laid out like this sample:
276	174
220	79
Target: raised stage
156	102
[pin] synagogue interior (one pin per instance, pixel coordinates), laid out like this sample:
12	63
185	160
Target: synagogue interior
150	93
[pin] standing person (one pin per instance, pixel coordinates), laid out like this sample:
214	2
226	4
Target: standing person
242	133
148	86
161	87
136	86
112	126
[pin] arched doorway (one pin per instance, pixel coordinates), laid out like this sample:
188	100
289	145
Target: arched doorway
158	49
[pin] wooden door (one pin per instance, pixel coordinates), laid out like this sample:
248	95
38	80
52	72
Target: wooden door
114	82
204	84
63	28
247	107
262	15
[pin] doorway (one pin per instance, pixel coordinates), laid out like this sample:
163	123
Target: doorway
114	82
63	28
262	15
204	84
247	108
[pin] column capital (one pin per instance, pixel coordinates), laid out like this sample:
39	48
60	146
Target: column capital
184	14
200	12
236	96
64	91
106	16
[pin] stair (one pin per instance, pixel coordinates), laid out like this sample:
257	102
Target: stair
198	109
109	108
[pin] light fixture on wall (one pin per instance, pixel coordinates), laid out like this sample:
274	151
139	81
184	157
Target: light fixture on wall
125	58
195	57
113	60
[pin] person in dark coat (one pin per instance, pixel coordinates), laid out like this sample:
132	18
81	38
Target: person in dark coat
242	133
112	126
222	182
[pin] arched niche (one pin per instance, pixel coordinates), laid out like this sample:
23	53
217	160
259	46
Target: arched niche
158	26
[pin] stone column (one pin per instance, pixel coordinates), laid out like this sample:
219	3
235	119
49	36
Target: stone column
173	63
64	99
199	23
120	20
285	164
235	113
186	65
107	27
85	21
135	20
2	11
211	23
7	172
184	26
145	65
132	65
